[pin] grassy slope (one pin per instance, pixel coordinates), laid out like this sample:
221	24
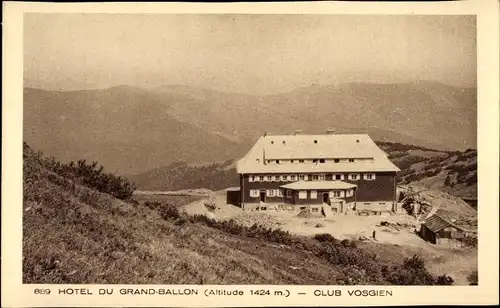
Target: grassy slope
452	172
83	236
73	234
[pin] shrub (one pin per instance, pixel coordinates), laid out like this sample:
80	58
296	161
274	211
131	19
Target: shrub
167	211
348	243
325	237
473	279
81	172
444	280
411	272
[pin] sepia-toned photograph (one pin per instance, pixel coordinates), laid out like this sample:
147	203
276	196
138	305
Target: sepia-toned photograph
250	149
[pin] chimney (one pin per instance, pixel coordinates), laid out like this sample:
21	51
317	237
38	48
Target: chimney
330	131
298	132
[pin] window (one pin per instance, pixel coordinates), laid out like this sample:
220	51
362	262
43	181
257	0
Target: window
321	177
350	193
292	161
351	160
336	160
353	176
293	177
261	178
306	177
335	193
283	178
314	177
302	208
314	194
288	193
338	177
315	209
280	192
321	161
254	193
315	161
370	176
252	178
278	161
301	161
276	178
303	194
301	177
270	192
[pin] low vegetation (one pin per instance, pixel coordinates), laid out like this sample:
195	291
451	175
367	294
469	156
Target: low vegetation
75	233
90	175
180	175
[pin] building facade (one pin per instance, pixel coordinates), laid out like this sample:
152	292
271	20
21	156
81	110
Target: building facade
336	171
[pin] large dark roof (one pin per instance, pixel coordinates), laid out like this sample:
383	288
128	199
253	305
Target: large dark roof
436	223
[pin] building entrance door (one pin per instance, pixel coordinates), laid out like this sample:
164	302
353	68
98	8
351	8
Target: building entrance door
262	196
326	198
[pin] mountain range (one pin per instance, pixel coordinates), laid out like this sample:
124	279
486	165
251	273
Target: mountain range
132	130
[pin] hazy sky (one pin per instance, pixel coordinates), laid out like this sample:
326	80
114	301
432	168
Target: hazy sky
245	53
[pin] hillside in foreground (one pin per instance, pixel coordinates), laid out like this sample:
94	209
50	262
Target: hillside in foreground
77	234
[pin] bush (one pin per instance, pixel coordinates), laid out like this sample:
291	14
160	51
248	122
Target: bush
91	175
348	243
411	272
326	237
473	279
167	211
444	280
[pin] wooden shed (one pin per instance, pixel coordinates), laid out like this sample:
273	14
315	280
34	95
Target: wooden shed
233	196
439	230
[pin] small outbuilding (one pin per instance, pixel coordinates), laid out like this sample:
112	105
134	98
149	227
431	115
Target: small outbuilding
233	196
438	230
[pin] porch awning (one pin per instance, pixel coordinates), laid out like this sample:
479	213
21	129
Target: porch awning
314	185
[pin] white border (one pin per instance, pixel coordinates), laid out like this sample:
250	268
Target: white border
15	294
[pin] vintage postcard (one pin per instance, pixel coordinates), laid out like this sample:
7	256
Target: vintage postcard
250	154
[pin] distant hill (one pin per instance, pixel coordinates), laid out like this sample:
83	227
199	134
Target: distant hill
73	233
180	175
127	129
132	130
